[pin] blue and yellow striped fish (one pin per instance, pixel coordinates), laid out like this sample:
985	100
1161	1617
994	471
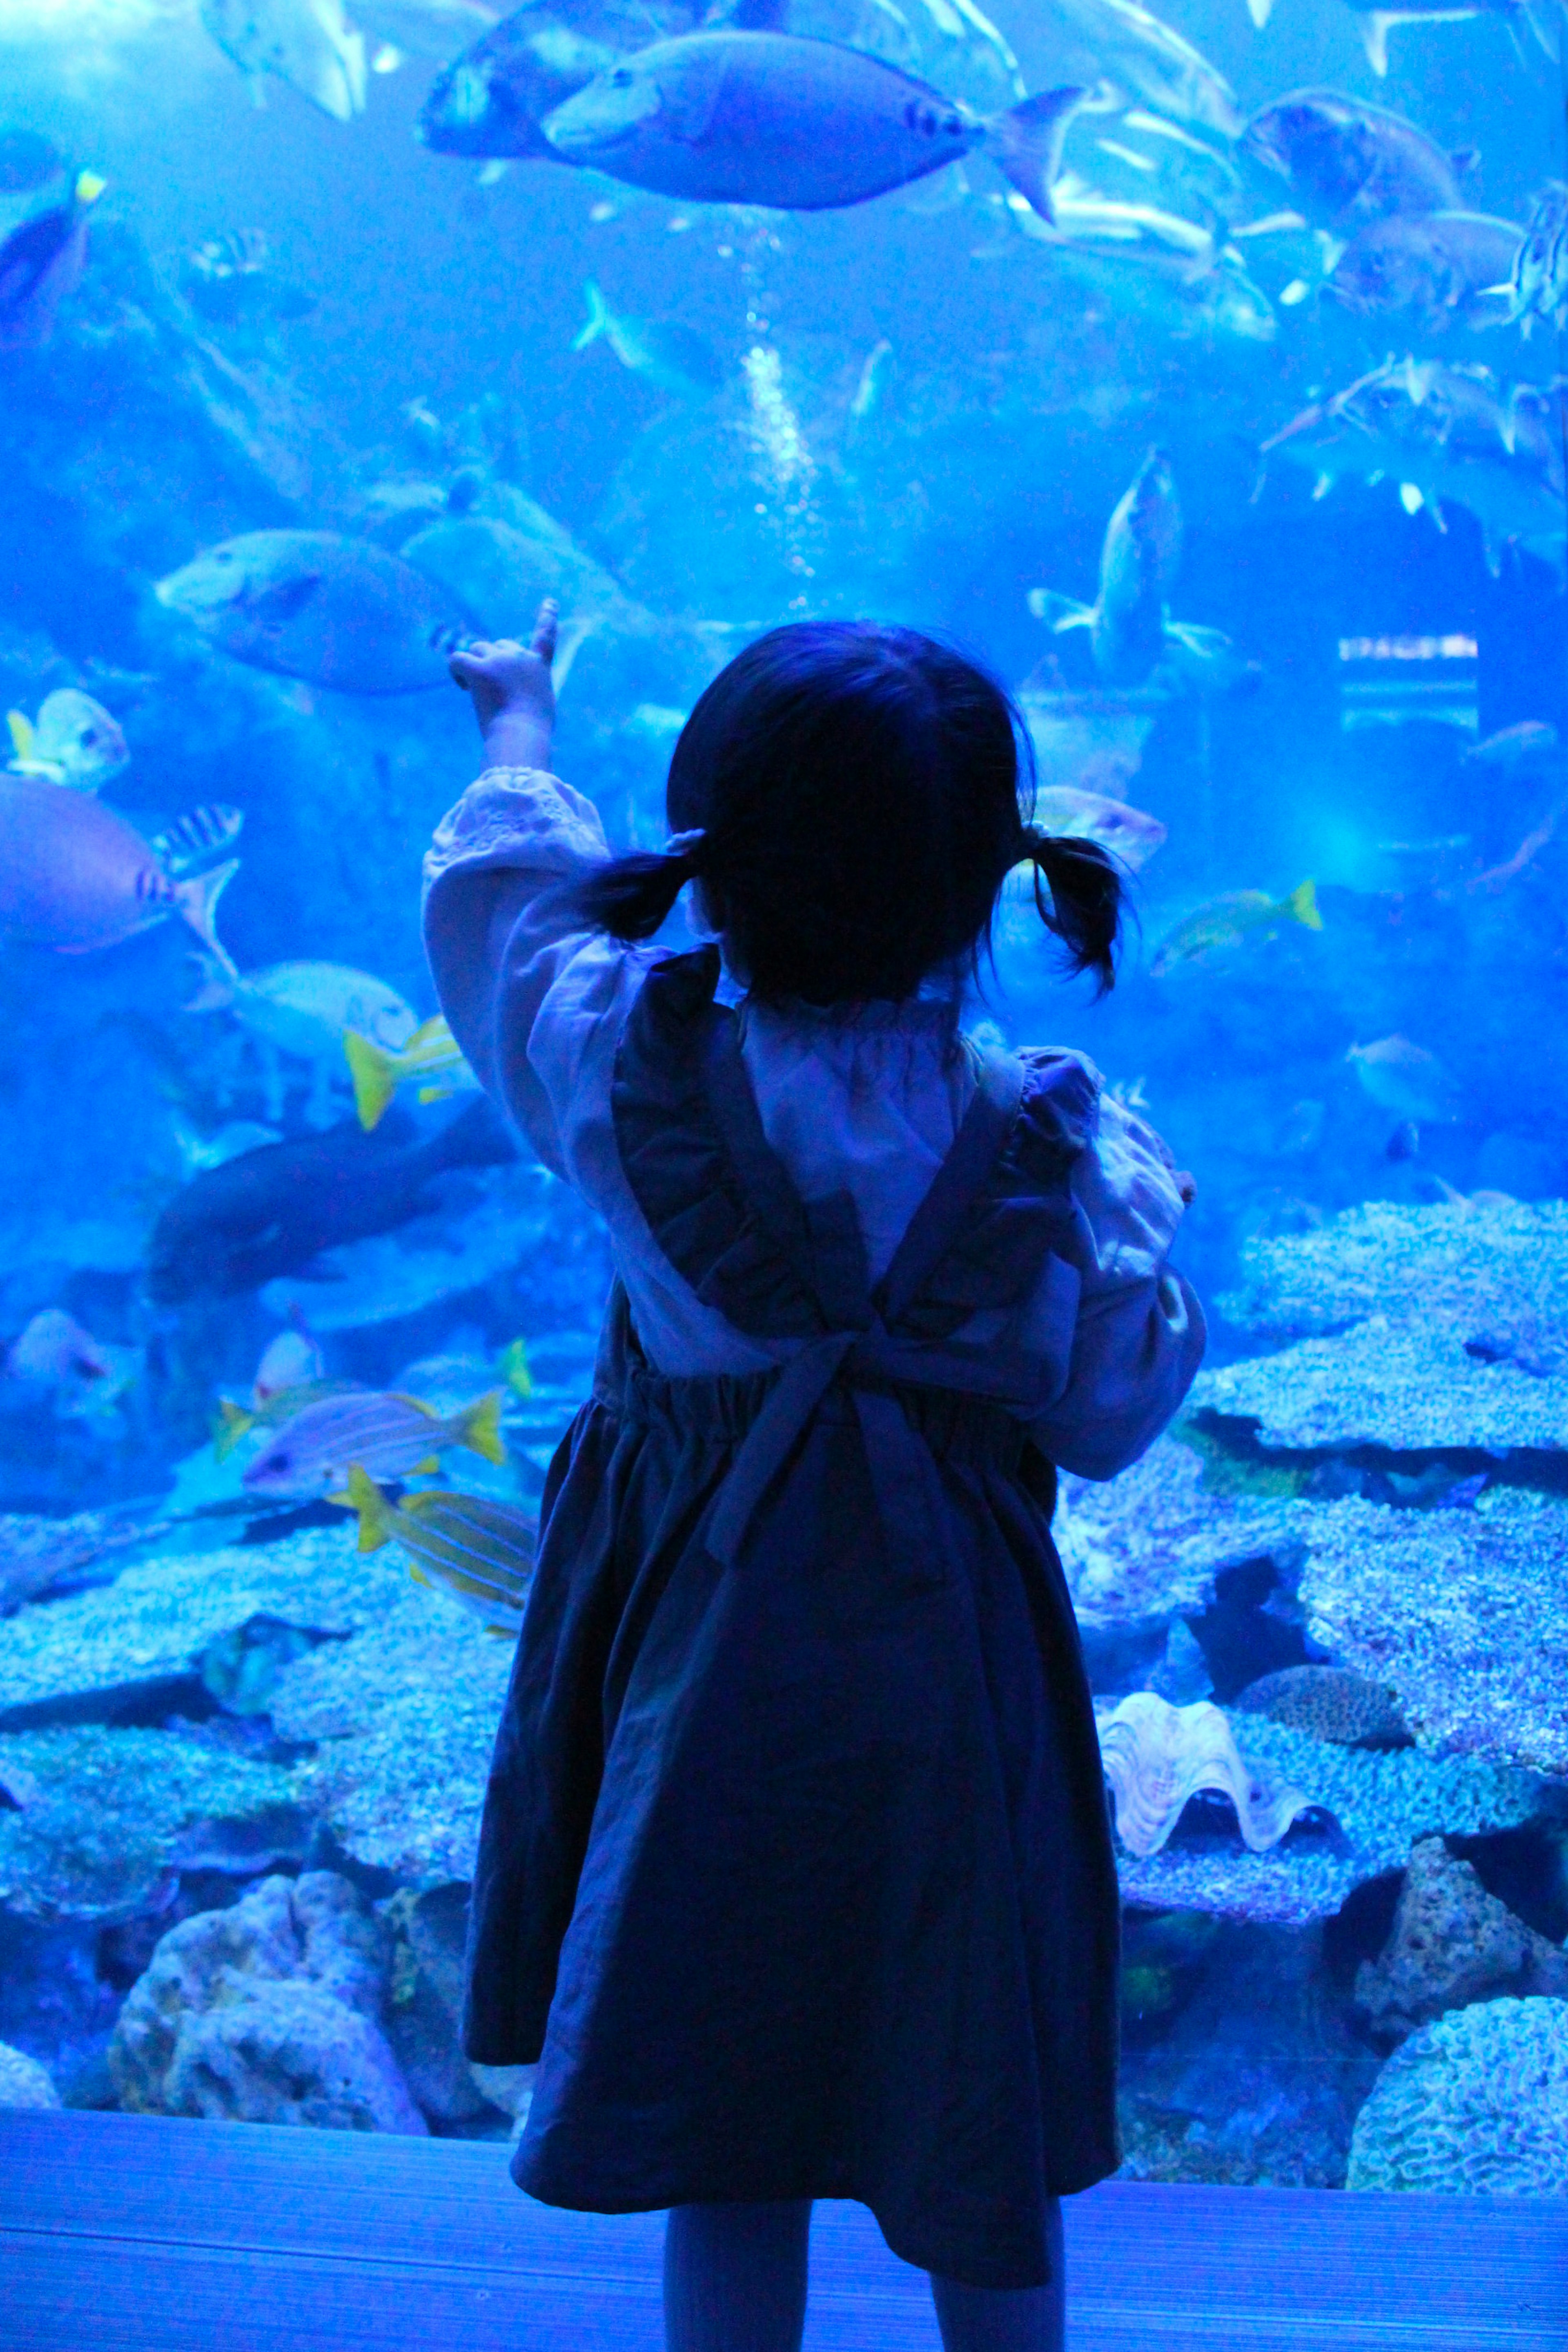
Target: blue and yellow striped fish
480	1552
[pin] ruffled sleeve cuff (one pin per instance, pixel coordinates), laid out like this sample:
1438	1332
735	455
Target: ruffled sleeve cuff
1125	1184
522	820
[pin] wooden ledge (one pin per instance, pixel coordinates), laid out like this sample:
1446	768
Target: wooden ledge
134	2233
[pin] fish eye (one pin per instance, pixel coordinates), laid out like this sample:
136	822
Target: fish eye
621	78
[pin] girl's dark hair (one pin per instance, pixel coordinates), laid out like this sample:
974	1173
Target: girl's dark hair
855	797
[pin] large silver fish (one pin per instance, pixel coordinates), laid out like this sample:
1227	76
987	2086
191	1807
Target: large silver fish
1446	437
802	126
1145	58
306	43
1538	282
1377	18
73	876
312	604
1131	634
1349	161
1138	560
1442	269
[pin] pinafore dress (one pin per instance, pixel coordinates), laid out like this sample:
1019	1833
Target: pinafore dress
796	1870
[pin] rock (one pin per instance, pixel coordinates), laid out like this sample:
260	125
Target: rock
23	2082
1475	2104
1329	1702
1378	1804
1408	1383
1451	1944
268	2013
1156	1756
424	2009
1451	1262
1462	1614
287	2053
116	1811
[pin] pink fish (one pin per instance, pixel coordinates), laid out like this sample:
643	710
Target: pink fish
292	1361
73	876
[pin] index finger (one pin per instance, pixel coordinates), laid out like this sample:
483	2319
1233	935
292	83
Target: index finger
546	629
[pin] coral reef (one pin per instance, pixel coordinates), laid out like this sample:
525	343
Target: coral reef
1410	1385
1156	1756
1474	2104
1451	1944
1463	1614
23	2082
1495	1266
268	2013
113	1813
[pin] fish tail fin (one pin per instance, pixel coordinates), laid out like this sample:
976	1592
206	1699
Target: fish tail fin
197	901
513	1366
1029	143
1302	905
1375	28
351	51
21	729
1260	11
232	1423
215	994
374	1073
1540	15
478	1427
598	318
377	1522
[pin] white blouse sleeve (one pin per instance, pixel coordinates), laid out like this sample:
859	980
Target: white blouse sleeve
1140	1333
537	1001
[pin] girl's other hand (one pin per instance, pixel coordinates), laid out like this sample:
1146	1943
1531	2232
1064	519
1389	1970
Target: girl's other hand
513	694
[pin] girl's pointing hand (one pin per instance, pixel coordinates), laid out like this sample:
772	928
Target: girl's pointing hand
513	693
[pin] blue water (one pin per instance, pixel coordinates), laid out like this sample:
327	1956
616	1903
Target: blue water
413	325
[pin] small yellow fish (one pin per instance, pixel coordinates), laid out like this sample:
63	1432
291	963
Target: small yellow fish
432	1056
480	1552
1225	921
235	1421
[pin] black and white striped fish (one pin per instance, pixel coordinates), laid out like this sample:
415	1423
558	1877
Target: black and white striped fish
200	834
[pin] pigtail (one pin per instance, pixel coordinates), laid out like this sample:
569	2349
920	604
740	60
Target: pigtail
630	897
1087	899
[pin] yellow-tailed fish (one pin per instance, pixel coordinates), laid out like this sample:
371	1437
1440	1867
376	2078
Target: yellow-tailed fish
432	1058
512	1363
384	1430
480	1553
1224	921
235	1421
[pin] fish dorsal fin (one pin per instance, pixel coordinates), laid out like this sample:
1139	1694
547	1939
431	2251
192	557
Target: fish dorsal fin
689	93
1374	26
402	1397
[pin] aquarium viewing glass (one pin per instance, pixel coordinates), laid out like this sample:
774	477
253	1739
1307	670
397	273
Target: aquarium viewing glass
333	336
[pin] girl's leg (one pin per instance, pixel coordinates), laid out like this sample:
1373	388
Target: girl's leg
1006	2319
735	2277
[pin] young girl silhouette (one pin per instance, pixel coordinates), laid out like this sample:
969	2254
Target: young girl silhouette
795	1872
